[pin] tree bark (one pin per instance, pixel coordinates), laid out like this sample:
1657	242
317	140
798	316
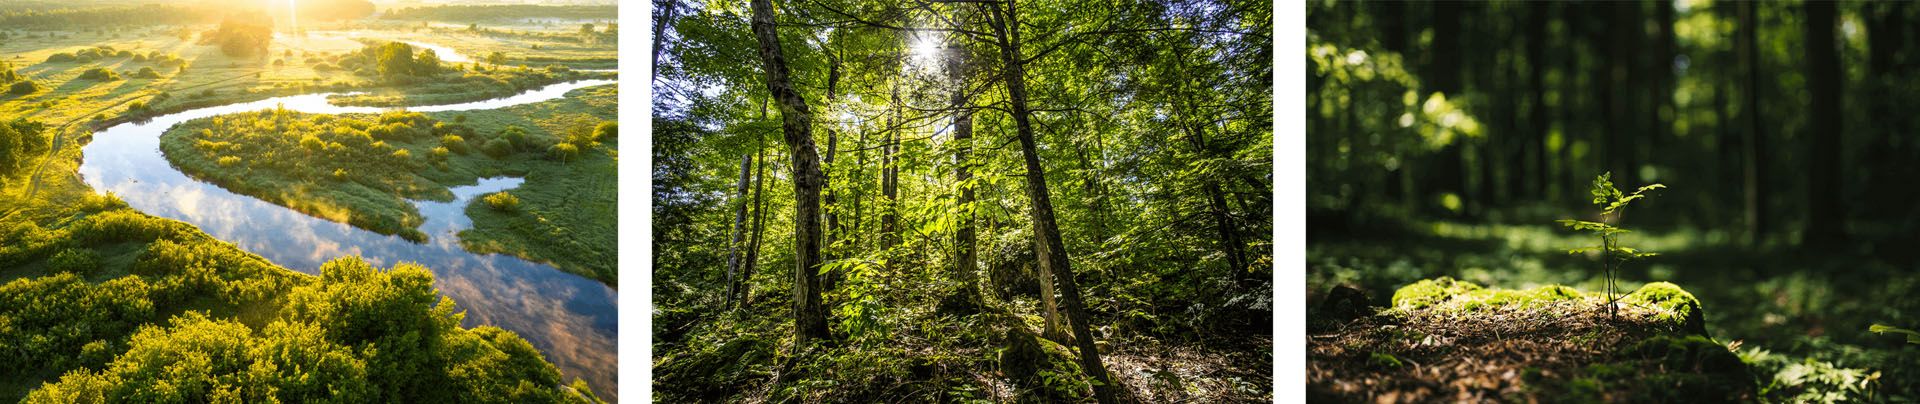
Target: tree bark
889	172
759	226
966	262
734	262
832	205
810	322
1053	250
660	30
1826	209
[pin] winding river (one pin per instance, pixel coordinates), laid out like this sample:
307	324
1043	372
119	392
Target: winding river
570	318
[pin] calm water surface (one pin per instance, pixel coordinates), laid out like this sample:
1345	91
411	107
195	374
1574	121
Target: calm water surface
568	317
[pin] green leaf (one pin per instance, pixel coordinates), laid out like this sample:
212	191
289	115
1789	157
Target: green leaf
1913	337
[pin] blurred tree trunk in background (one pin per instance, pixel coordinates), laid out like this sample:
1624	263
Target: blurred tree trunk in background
1756	149
1826	210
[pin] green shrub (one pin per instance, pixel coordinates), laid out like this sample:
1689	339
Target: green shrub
228	161
23	87
146	73
498	148
75	261
502	201
516	136
99	74
606	131
563	151
62	57
454	143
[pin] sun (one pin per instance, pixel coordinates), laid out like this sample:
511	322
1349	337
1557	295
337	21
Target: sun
925	49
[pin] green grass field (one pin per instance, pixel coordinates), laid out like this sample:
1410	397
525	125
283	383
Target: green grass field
567	216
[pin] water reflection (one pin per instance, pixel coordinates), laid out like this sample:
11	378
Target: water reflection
568	317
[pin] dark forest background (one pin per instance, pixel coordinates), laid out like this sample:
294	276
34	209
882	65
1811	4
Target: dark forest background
1445	137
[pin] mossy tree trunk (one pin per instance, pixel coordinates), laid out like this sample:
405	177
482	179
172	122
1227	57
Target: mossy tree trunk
1053	251
796	122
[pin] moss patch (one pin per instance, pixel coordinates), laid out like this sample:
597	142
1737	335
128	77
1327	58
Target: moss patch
1450	294
1673	304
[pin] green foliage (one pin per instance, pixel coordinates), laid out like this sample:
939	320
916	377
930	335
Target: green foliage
1612	203
99	74
20	140
1810	380
146	72
358	334
497	148
75	261
1913	337
563	151
241	34
23	87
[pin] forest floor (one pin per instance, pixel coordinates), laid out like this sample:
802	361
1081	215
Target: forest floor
921	355
1799	319
1547	344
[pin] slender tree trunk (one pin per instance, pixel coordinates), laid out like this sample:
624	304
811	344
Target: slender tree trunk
1538	121
1826	209
810	322
1756	150
1053	250
889	175
966	262
832	205
739	231
668	7
759	223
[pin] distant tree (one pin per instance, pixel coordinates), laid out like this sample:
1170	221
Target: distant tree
427	63
586	29
395	59
241	34
497	58
19	140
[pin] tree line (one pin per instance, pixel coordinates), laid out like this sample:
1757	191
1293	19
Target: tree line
1775	121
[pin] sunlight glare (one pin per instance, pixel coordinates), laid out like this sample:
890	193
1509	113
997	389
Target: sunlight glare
926	50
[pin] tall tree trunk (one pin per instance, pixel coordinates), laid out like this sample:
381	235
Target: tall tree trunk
889	177
739	231
966	262
810	322
759	223
832	205
1053	250
1756	150
1826	209
1539	123
668	7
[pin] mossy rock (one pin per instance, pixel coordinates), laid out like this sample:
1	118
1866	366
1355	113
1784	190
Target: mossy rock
1044	371
715	373
1675	304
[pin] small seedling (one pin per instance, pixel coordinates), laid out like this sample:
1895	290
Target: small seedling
1612	204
